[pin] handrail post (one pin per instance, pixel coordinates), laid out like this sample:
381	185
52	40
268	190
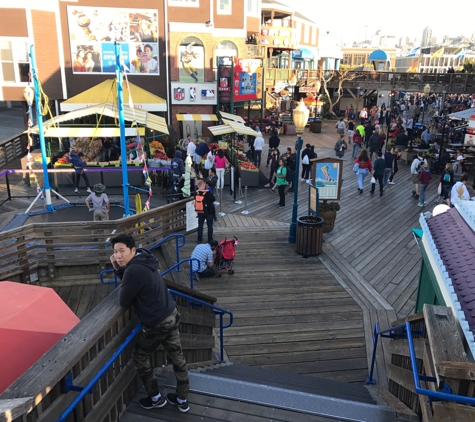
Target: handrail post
221	337
370	379
177	254
9	193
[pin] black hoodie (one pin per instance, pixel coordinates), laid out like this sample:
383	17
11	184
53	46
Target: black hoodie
143	286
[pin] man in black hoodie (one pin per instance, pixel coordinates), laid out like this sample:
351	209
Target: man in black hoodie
143	287
274	142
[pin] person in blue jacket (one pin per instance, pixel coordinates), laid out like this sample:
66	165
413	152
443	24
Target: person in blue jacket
76	160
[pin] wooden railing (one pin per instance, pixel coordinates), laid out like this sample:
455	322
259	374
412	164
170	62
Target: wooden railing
40	250
12	148
39	394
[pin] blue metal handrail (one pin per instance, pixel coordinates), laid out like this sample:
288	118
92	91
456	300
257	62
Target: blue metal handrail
192	271
87	389
407	333
177	265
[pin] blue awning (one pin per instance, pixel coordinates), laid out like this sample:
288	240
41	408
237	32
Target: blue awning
379	55
302	53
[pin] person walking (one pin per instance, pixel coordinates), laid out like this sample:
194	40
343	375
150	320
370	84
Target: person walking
281	174
416	168
220	163
446	183
363	169
204	201
340	147
351	130
274	165
394	170
76	160
388	168
98	202
424	178
340	127
274	142
378	172
306	155
258	146
374	144
143	287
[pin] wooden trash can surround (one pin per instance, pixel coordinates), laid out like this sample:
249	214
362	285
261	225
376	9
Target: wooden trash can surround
309	237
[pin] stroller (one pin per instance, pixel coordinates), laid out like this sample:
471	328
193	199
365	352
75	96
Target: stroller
225	254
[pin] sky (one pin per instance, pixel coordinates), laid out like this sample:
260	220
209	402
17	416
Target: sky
352	20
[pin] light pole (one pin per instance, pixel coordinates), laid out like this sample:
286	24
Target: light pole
426	94
300	121
292	83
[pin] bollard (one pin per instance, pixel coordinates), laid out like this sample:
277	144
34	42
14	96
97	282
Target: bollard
245	212
239	202
221	213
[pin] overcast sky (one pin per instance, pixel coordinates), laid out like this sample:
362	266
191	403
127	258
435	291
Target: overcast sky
353	19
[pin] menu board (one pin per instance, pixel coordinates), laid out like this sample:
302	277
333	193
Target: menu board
93	31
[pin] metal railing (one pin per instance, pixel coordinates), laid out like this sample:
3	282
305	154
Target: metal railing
88	388
177	265
406	332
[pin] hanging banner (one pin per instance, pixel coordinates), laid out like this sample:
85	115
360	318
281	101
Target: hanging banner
94	30
247	79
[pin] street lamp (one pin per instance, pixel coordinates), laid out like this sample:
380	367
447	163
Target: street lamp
292	83
300	121
425	95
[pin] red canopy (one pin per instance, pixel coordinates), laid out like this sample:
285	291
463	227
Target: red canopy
32	320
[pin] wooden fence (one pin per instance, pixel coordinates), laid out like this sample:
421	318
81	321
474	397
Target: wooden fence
42	250
39	394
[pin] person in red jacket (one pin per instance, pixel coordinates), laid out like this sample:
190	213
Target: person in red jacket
424	179
364	168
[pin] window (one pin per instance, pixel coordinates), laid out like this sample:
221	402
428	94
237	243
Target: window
224	7
253	7
184	3
225	50
15	64
307	33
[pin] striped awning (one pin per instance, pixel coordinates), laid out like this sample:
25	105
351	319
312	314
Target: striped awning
232	117
91	132
220	130
197	117
240	128
130	114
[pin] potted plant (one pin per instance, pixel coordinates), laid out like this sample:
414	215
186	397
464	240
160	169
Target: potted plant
327	210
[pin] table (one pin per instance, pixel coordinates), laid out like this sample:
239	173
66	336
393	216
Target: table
450	144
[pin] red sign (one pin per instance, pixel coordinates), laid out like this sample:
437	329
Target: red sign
247	79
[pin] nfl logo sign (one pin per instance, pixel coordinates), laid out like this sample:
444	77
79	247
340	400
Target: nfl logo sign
179	94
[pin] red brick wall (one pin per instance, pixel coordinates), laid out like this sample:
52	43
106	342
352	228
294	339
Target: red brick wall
46	47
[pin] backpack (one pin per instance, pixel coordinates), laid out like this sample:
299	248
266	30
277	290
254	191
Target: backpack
419	166
446	177
200	204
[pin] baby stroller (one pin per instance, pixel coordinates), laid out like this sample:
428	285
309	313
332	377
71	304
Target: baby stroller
225	254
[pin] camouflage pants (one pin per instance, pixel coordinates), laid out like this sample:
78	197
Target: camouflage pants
149	339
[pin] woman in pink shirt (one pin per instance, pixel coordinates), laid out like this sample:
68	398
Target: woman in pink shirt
220	162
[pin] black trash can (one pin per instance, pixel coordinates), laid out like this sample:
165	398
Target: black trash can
309	237
316	127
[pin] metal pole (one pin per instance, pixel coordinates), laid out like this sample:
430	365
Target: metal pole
120	108
9	193
221	213
239	202
39	118
293	224
245	212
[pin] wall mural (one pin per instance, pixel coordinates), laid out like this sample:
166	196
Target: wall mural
192	60
94	30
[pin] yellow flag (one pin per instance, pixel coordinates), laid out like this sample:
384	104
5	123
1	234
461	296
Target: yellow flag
458	49
438	53
414	67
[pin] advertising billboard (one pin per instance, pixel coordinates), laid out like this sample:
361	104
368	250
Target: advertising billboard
247	79
94	30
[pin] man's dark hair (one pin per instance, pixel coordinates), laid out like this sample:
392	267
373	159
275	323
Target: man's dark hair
126	239
213	244
464	177
379	153
149	46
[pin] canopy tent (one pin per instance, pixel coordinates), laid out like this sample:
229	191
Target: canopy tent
106	92
469	113
232	117
221	130
91	132
197	117
130	114
240	128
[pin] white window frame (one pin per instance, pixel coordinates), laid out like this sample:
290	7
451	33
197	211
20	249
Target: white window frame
16	61
184	3
253	7
221	11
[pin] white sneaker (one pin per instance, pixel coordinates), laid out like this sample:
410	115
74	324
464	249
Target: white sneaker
89	190
391	183
308	181
302	180
216	203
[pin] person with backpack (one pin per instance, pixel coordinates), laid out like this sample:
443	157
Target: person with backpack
458	168
446	183
416	167
204	201
340	147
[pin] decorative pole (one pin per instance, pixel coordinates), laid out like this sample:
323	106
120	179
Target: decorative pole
300	120
39	118
120	107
